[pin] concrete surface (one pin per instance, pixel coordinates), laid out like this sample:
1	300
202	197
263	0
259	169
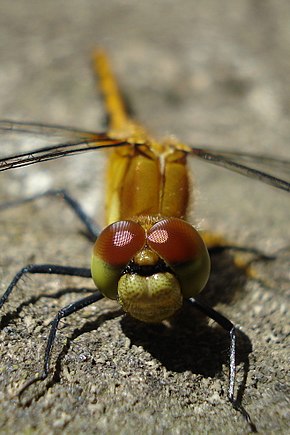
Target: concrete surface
212	73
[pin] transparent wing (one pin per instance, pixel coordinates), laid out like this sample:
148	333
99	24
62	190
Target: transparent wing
34	128
268	169
64	141
68	141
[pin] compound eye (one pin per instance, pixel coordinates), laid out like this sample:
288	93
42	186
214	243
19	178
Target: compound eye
119	242
115	247
175	240
183	249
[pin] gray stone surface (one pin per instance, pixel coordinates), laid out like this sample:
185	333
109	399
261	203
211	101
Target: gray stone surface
212	73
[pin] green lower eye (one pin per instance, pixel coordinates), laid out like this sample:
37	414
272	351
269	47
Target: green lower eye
105	277
194	275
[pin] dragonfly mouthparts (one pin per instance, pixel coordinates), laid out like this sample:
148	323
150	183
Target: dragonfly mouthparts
148	270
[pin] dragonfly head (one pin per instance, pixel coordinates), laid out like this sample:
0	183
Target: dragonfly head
150	270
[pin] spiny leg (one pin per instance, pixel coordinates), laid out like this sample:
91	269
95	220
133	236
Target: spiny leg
64	312
231	329
91	227
46	269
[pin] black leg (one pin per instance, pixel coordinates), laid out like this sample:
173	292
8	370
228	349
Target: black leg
64	312
231	329
44	268
72	203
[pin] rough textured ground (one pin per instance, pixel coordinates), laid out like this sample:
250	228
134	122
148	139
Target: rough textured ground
212	73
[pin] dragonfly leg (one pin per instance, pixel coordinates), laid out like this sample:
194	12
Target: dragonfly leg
231	329
46	269
64	312
91	227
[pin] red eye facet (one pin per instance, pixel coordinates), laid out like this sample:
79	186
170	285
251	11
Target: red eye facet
119	242
175	241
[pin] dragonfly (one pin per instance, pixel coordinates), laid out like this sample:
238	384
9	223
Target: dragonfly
148	257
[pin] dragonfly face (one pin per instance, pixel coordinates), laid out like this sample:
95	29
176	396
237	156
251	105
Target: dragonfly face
150	265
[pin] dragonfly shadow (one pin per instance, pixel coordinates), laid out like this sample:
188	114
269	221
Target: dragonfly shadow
188	342
227	281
